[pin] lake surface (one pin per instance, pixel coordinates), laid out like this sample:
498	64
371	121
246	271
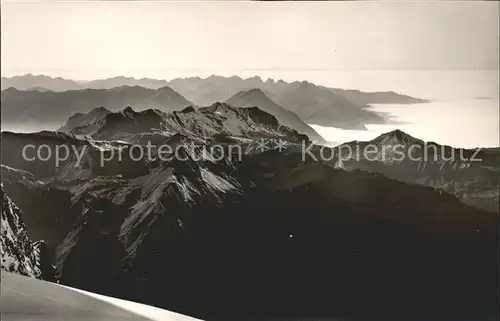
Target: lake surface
466	123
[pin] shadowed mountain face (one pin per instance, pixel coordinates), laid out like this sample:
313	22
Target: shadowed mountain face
21	107
81	123
313	104
473	176
257	98
224	233
46	207
273	235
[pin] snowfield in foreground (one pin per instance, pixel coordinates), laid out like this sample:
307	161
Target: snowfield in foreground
26	298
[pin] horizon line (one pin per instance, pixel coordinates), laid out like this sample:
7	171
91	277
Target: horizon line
263	79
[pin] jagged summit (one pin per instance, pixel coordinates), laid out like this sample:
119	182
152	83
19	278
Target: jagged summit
80	120
102	109
472	175
188	109
235	77
96	112
218	107
396	136
255	113
255	78
217	119
167	89
128	111
223	118
397	133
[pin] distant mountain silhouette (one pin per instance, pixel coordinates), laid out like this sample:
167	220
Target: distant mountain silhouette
313	104
37	89
257	98
379	97
29	81
42	83
21	107
109	83
320	106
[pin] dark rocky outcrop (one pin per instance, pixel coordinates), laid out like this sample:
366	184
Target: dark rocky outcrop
18	253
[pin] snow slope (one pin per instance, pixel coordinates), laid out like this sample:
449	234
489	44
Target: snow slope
26	298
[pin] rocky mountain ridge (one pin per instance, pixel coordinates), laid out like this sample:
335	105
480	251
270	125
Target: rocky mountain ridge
472	175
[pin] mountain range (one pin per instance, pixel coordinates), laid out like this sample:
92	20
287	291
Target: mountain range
21	107
262	230
192	86
313	104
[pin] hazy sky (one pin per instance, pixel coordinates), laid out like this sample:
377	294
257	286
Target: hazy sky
324	41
